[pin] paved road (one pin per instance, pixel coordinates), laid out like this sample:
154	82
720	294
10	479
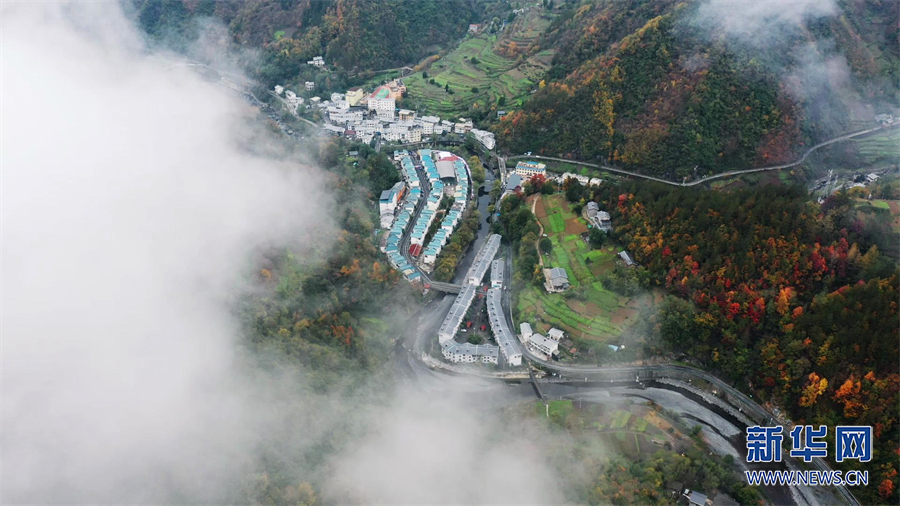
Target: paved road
723	175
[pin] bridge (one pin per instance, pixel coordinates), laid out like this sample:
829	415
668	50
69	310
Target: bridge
443	287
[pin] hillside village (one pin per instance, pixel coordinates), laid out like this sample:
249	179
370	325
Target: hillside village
363	116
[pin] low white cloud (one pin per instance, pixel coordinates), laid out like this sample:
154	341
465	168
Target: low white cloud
760	19
131	209
440	449
128	216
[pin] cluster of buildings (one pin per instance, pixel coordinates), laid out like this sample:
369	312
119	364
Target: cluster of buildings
447	175
528	169
464	352
317	61
596	217
539	344
583	180
885	119
448	167
399	221
361	116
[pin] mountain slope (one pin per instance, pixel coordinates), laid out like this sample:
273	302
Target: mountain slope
350	34
683	89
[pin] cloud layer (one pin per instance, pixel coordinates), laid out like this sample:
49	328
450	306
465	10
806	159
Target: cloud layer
128	216
130	210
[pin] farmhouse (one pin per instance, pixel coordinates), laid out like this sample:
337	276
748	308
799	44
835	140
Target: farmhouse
557	280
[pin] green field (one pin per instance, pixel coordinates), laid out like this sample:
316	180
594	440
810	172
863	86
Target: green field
882	148
598	314
495	72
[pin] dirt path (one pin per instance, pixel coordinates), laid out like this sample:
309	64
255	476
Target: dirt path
537	243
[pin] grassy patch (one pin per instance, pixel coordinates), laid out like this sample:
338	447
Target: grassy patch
620	419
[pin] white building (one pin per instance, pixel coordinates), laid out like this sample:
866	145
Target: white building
505	338
379	103
453	320
317	61
345	117
390	198
525	329
337	97
530	169
556	334
467	353
339	105
310	85
544	344
427	128
483	260
279	89
385	114
497	273
293	101
486	138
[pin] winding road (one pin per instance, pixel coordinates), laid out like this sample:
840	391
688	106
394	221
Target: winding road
723	175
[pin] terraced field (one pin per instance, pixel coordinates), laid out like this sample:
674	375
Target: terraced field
495	72
880	148
597	314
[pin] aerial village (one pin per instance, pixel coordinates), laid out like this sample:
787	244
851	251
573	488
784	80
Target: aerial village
420	213
362	116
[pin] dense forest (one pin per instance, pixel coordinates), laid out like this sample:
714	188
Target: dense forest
792	300
350	34
646	85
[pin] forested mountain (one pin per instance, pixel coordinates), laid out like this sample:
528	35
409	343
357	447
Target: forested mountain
789	299
669	86
350	34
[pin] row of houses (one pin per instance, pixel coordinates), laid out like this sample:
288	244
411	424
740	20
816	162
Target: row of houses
420	230
456	352
455	168
470	353
400	222
453	320
499	326
483	260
